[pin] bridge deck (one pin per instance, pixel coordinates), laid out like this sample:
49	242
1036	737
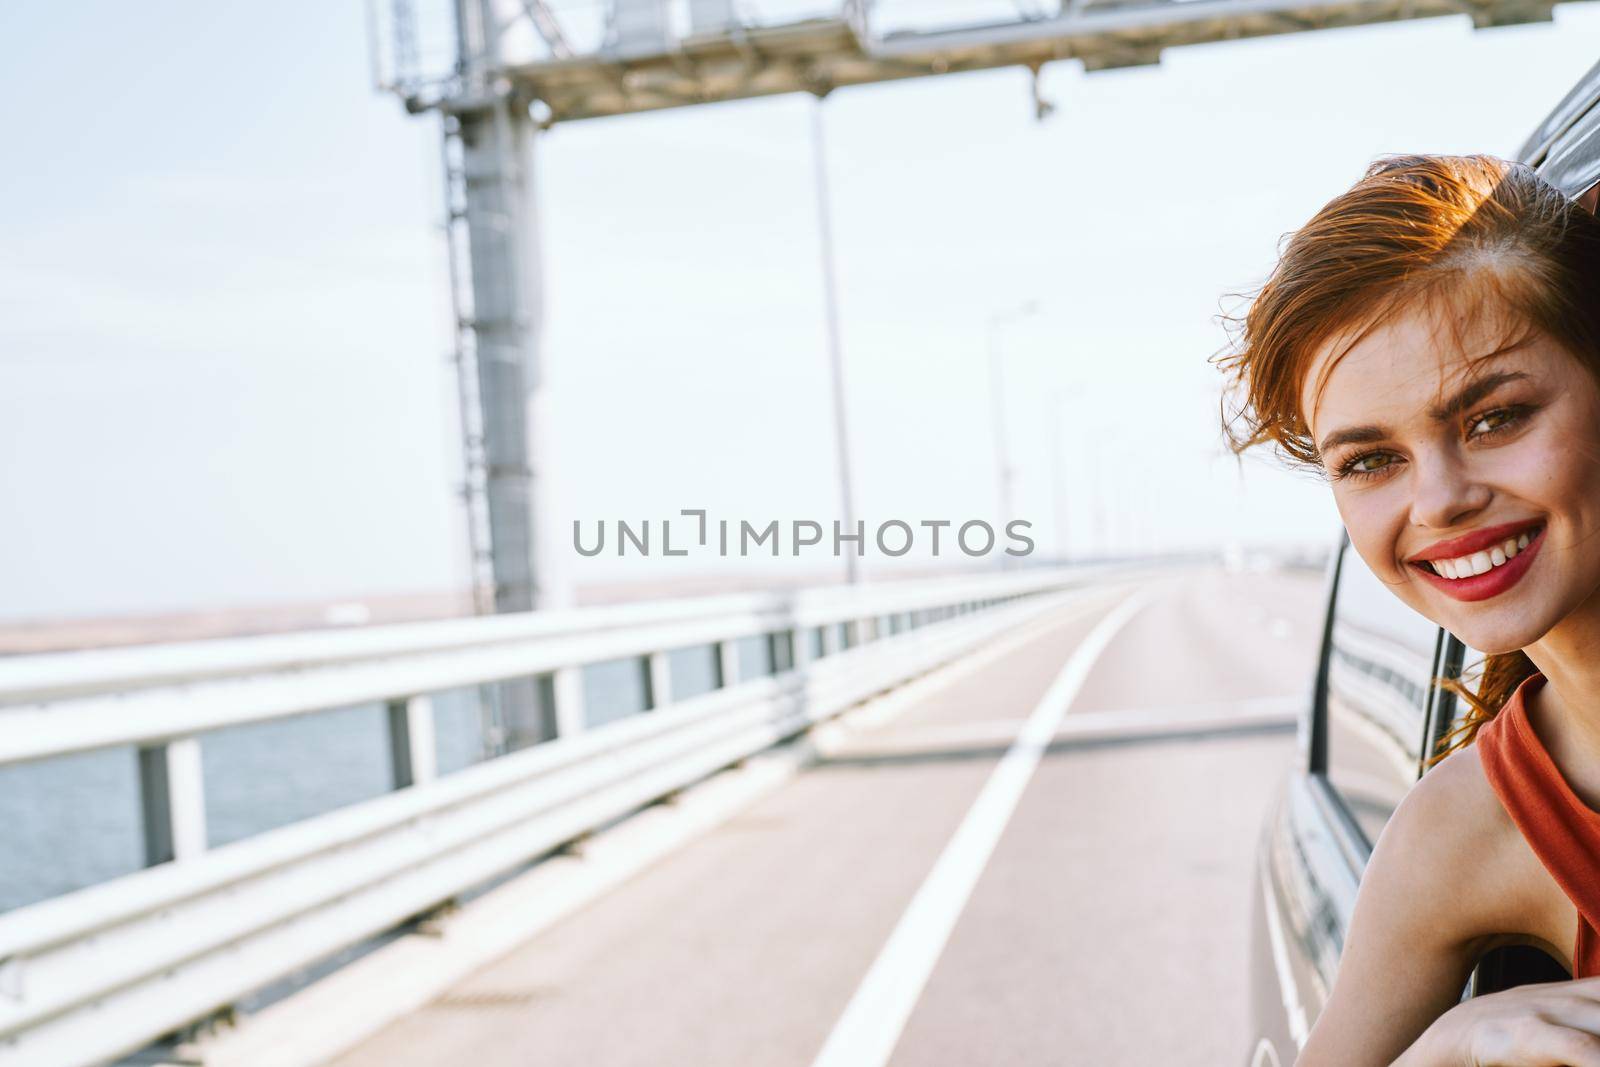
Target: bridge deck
1109	924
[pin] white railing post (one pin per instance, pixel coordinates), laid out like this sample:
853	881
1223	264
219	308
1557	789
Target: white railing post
727	663
173	801
800	641
412	751
567	686
660	670
831	639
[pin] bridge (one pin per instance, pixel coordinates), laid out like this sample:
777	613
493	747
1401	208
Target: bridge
986	818
921	822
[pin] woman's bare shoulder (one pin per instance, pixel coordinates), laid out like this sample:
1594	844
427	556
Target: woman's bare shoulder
1456	795
1452	834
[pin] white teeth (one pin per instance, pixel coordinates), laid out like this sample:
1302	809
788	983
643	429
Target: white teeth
1481	562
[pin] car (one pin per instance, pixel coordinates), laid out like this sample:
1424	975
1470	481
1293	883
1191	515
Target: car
1374	716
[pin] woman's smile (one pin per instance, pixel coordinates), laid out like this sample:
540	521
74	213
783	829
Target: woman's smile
1480	565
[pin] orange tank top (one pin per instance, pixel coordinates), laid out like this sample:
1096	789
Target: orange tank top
1561	829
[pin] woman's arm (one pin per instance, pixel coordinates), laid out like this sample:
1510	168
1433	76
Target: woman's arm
1438	891
1411	943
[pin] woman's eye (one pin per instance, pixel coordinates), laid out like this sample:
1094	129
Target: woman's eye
1367	463
1492	421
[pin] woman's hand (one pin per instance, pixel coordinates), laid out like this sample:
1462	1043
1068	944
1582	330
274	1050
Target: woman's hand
1551	1024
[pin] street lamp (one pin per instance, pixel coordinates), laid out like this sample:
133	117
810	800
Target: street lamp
997	389
1058	492
830	296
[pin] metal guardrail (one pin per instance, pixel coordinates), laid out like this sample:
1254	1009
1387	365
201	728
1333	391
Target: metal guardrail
105	970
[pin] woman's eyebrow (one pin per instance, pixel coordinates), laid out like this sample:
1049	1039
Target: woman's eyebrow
1464	398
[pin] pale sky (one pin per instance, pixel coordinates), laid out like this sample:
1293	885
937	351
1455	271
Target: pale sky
223	317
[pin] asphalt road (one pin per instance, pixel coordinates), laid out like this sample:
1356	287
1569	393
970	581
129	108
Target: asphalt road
1108	924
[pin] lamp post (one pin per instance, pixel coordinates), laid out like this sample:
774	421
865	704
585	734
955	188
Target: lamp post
1058	493
997	389
830	297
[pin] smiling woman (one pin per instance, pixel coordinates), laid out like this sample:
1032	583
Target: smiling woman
1466	279
1429	344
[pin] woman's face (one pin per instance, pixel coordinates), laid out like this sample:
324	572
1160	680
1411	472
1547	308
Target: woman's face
1471	486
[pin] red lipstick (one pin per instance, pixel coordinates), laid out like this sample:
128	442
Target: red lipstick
1490	583
1476	541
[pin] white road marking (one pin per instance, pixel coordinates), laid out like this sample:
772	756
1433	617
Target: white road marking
867	1032
1118	724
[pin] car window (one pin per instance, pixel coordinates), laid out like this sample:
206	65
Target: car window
1381	656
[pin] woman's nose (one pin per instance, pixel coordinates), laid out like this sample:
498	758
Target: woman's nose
1445	493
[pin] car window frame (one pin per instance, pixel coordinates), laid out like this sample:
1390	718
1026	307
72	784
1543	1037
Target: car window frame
1436	712
1565	148
1570	113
